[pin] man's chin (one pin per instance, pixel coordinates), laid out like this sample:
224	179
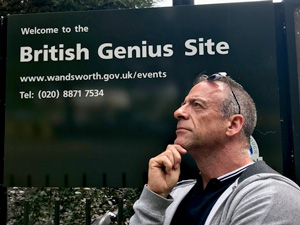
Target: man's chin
180	142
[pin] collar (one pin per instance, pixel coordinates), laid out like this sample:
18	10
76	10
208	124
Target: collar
226	177
233	173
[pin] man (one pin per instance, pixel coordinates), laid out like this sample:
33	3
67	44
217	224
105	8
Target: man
215	123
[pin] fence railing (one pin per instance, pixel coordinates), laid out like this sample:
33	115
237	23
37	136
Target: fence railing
88	221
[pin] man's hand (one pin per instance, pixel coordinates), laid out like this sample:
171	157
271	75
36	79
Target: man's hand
164	170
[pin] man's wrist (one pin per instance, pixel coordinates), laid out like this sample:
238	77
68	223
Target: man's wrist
162	194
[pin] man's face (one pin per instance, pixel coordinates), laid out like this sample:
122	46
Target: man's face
200	123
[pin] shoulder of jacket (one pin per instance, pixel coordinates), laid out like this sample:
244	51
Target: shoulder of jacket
277	181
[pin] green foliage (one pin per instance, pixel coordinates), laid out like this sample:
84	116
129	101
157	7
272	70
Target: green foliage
40	6
72	203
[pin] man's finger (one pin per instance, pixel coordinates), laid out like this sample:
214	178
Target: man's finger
174	153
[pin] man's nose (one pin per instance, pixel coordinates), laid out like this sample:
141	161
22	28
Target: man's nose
181	113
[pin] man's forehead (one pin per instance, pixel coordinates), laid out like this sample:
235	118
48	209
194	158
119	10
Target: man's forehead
206	89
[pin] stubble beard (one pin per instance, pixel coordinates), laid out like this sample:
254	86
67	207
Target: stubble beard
190	144
197	147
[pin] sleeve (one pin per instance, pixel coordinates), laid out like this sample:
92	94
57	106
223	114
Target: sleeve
150	208
269	203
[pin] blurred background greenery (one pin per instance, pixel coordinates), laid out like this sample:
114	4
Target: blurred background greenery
72	202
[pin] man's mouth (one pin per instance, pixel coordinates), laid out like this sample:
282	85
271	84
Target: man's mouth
182	129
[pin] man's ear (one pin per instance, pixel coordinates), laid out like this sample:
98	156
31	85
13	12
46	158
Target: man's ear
235	125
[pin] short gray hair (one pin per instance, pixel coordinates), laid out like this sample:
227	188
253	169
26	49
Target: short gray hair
229	106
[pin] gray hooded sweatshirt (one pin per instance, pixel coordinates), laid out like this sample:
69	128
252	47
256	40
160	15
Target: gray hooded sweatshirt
259	196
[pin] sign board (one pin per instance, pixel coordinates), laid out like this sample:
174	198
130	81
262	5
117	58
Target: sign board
90	95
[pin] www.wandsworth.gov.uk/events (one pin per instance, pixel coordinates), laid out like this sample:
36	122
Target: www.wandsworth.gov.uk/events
94	76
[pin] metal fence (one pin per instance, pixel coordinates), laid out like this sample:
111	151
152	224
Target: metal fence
106	219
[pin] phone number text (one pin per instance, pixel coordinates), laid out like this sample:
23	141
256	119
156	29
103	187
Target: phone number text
55	94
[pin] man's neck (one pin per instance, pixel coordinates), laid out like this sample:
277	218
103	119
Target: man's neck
220	163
